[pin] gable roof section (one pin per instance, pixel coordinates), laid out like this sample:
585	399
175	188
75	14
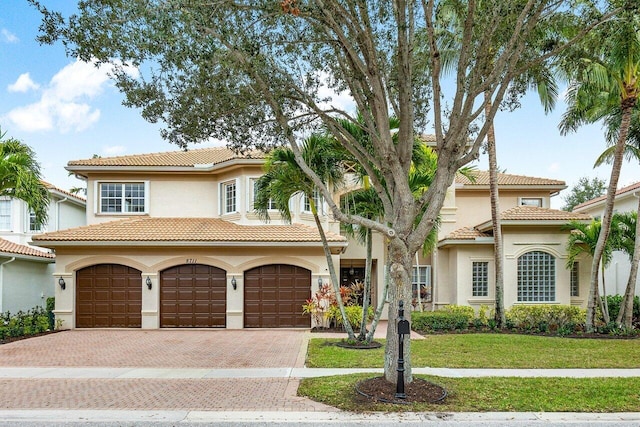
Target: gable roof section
520	215
11	249
147	231
190	158
507	180
63	193
629	189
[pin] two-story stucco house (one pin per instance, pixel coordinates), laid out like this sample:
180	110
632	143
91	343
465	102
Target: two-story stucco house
25	271
172	241
616	274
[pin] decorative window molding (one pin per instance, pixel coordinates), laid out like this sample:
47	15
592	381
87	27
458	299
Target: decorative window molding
480	278
536	277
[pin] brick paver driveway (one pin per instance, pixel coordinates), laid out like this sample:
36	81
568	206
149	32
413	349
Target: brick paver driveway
168	349
264	348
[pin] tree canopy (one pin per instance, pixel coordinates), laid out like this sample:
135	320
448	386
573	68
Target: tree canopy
259	73
585	190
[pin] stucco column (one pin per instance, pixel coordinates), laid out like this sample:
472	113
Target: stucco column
65	300
235	301
150	301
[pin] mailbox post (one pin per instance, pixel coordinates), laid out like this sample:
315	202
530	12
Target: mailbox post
403	329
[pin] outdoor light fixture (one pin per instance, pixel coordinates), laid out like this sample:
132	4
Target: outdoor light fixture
62	284
148	282
351	270
234	283
319	281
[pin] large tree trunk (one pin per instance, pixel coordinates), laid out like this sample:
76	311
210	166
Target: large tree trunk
627	108
625	316
399	290
498	247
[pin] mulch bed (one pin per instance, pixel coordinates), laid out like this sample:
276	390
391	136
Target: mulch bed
8	340
359	345
378	389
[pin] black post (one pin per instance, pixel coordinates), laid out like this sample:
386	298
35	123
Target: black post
403	328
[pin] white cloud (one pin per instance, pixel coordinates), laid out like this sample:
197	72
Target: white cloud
114	150
554	167
8	36
23	84
64	104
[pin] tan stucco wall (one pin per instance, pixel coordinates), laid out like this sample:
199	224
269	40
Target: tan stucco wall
152	261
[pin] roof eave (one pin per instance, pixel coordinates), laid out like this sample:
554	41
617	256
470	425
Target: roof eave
531	222
183	243
476	241
209	167
24	257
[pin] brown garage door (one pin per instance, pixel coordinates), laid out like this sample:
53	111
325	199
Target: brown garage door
273	296
108	296
193	296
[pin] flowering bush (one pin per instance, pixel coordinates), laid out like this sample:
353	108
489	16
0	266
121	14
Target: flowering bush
32	322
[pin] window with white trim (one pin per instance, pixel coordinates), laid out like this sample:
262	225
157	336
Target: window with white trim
228	196
271	205
317	199
34	227
531	201
122	197
480	278
5	214
421	277
536	277
575	279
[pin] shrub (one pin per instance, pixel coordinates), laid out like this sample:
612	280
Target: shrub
22	323
353	312
463	310
615	301
546	318
441	320
51	305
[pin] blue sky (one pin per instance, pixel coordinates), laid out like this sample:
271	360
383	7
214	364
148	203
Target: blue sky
68	110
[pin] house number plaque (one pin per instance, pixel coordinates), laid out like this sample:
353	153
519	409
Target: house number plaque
192	260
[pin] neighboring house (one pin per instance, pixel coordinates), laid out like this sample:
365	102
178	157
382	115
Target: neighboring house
26	271
172	241
616	274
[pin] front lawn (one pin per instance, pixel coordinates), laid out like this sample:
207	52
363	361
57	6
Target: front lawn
488	351
491	394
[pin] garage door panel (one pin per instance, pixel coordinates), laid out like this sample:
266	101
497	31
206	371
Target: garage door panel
108	295
193	295
274	295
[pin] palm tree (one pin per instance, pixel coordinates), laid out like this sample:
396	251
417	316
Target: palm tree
583	239
284	179
631	229
607	84
20	176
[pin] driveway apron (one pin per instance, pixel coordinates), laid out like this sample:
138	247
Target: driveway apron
114	349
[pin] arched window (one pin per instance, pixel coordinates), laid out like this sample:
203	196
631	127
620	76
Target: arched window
536	277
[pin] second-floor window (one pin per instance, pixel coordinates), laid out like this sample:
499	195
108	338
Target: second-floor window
271	205
5	214
531	201
122	197
228	195
34	227
317	200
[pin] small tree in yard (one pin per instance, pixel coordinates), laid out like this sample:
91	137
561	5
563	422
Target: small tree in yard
255	74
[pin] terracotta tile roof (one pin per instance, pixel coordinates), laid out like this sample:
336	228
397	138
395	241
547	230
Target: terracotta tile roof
482	179
620	192
532	213
145	229
202	156
52	187
14	248
466	233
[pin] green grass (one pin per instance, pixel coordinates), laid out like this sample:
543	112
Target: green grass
492	394
488	351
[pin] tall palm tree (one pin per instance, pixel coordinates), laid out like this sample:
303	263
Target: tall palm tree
20	176
631	228
608	83
284	179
